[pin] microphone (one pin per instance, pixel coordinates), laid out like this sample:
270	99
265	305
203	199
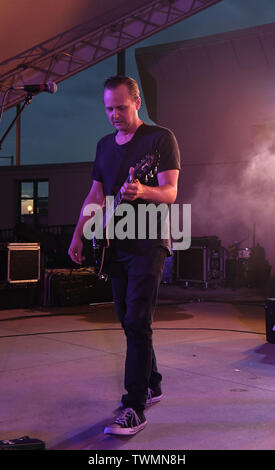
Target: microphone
49	87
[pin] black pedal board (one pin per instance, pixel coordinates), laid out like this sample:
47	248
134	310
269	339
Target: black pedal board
22	443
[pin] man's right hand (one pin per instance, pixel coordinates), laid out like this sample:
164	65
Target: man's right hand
75	250
95	196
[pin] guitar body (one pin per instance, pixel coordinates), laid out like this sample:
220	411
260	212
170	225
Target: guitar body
97	254
100	257
98	251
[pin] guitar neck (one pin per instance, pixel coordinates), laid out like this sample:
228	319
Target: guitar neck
111	210
142	169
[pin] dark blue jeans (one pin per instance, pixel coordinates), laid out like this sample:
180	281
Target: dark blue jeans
135	284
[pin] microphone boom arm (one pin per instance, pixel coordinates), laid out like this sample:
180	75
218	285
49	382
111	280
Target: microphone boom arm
19	111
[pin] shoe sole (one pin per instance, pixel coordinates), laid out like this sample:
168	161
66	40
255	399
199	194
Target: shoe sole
124	431
154	400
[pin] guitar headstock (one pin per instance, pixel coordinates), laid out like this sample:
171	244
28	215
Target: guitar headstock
147	167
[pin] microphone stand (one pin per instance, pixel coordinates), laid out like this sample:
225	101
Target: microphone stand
19	111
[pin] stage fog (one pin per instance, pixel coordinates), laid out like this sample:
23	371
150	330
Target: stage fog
218	95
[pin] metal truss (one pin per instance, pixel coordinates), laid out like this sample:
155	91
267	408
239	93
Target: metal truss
75	50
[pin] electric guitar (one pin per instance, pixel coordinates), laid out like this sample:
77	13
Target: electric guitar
98	250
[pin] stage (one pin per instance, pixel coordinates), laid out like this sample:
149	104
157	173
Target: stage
62	374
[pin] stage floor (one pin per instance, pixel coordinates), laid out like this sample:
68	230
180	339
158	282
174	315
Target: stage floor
62	374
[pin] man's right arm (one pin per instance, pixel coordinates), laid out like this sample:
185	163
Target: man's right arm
95	196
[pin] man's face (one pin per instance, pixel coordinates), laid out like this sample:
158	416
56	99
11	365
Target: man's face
120	108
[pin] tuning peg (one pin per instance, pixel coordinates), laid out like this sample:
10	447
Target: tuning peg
146	179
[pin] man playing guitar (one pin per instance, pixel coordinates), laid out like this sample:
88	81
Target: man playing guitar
137	264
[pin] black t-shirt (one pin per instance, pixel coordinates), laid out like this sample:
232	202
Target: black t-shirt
112	163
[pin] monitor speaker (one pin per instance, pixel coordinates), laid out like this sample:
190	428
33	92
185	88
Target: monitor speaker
19	262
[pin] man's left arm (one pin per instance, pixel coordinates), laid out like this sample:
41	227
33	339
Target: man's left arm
166	192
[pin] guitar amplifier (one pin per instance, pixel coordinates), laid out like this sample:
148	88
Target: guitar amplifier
201	264
65	287
192	264
19	262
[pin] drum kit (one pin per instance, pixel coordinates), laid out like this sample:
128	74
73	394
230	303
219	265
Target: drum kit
244	253
235	251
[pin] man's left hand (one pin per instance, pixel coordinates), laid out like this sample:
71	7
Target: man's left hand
133	190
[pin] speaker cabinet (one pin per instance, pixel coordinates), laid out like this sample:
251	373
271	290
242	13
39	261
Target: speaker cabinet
201	264
270	319
192	264
19	262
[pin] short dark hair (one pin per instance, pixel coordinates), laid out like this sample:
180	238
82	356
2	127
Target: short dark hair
117	80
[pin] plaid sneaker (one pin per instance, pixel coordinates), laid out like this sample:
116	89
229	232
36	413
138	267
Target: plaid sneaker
127	423
153	396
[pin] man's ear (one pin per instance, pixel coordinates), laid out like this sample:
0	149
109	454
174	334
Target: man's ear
138	103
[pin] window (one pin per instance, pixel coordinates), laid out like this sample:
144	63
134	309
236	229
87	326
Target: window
33	206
